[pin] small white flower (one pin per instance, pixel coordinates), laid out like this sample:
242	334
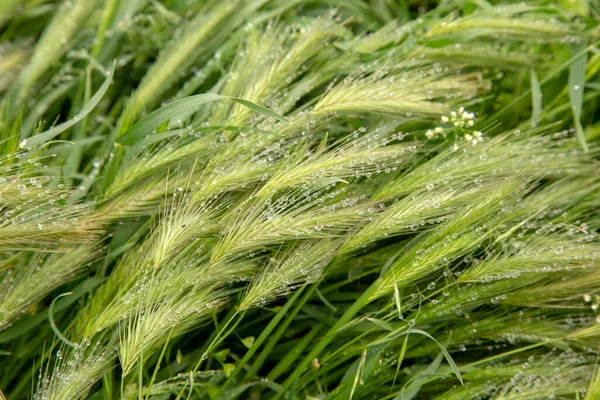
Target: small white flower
470	123
444	118
429	134
468	137
439	129
587	298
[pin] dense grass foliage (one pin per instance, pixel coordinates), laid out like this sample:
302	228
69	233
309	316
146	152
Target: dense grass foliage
299	199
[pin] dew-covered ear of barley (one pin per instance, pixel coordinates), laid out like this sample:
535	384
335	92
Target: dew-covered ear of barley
299	199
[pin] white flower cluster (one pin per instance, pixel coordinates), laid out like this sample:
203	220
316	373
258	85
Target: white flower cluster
474	138
458	119
431	134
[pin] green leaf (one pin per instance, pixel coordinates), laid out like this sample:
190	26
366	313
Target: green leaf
53	325
221	356
358	376
228	369
400	359
9	131
447	355
248	341
577	72
26	325
382	324
536	99
51	133
112	169
325	301
151	121
259	109
416	382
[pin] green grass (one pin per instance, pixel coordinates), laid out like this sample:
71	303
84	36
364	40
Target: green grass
275	199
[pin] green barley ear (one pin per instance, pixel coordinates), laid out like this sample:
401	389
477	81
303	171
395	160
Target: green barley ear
24	285
54	43
281	274
201	34
514	22
399	90
74	371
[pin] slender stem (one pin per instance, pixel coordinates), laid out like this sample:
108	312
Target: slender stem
344	319
263	336
110	7
219	337
291	356
273	339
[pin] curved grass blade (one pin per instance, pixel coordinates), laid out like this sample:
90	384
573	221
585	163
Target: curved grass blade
259	109
447	355
51	133
154	119
26	325
53	324
382	324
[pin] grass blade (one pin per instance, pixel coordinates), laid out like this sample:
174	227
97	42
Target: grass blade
179	107
577	72
536	99
53	324
51	133
447	355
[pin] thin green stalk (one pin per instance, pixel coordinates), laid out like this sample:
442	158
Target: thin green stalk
220	336
329	336
162	354
266	332
110	7
273	339
291	356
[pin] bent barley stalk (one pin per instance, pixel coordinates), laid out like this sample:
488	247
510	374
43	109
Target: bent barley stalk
299	199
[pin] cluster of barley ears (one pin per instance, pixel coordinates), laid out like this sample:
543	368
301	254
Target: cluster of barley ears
299	199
